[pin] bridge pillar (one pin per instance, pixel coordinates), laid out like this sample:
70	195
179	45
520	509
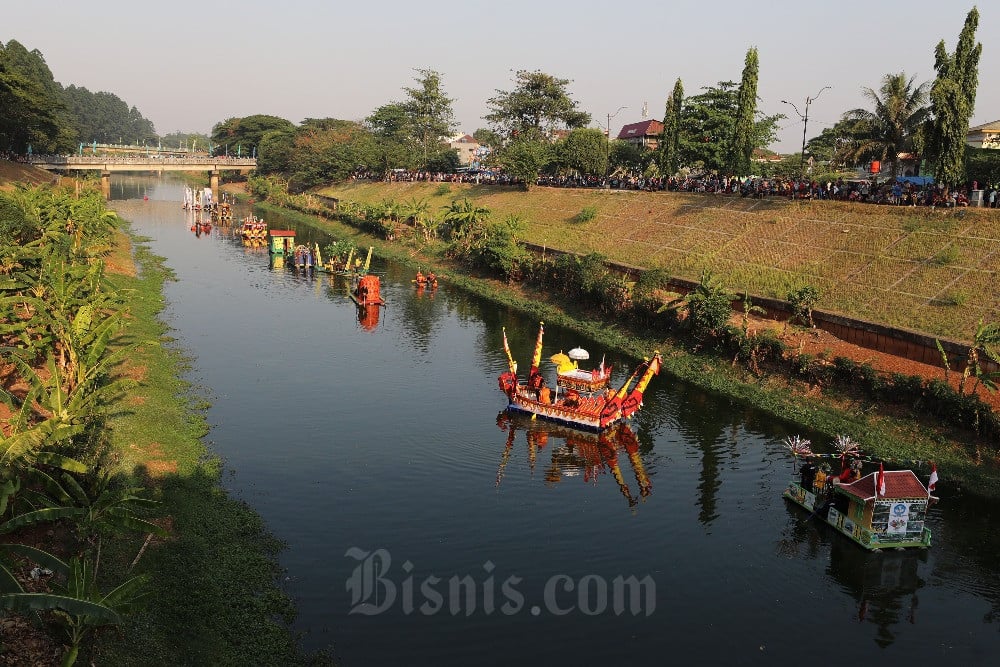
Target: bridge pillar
213	184
106	184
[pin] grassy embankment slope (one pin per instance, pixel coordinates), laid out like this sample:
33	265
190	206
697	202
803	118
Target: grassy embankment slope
12	173
912	268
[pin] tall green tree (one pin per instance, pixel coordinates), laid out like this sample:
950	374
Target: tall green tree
669	147
707	124
106	118
584	151
32	110
746	109
953	98
524	159
893	125
330	150
393	131
245	134
430	113
538	104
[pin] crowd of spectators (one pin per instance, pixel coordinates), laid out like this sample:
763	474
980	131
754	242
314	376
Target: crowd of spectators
901	193
405	176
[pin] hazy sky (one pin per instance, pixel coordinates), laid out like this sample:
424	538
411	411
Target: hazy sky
188	65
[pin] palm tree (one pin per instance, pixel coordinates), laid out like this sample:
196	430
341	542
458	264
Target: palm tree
895	124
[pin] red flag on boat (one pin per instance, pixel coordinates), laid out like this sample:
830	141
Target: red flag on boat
880	480
932	482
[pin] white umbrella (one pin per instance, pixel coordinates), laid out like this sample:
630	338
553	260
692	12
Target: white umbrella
578	353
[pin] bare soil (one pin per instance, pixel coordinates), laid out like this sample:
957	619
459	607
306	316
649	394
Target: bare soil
822	344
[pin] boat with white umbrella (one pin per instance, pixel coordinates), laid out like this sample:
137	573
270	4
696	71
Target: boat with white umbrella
569	375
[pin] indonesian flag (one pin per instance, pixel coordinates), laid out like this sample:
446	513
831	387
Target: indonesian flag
880	480
932	482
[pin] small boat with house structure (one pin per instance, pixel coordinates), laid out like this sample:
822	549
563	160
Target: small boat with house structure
885	509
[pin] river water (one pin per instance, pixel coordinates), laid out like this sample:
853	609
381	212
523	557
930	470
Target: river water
424	528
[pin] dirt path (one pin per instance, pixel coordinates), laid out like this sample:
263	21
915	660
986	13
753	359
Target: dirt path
819	343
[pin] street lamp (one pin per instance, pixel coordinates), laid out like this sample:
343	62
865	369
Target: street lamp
607	156
805	123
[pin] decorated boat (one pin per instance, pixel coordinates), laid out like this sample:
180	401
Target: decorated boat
576	454
281	242
885	509
221	212
253	231
570	376
352	266
366	291
587	412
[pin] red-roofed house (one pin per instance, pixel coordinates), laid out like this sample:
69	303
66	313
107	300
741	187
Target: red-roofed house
645	134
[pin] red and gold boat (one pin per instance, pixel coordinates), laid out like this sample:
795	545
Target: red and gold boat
586	412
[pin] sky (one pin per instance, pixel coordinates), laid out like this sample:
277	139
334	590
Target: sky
189	65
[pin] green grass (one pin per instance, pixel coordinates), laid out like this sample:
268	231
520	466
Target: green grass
897	257
216	599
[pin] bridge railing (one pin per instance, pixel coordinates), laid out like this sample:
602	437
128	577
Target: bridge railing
111	159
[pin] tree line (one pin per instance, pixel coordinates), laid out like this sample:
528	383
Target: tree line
536	127
38	112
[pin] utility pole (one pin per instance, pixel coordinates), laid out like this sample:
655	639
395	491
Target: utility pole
607	155
805	124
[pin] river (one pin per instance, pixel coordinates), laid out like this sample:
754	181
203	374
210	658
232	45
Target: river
424	528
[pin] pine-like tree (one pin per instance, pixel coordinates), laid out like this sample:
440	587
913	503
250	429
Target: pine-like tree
743	132
670	142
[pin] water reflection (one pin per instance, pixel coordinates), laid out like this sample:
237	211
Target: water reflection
577	454
884	584
368	316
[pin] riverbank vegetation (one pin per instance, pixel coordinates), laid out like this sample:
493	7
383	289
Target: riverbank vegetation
897	416
111	513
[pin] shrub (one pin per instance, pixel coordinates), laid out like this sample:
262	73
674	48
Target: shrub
803	300
708	306
586	214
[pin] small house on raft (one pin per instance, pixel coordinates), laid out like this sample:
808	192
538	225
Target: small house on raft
281	242
883	510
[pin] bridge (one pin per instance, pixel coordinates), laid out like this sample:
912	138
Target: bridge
107	164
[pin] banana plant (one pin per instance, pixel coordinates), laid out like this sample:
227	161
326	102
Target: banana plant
106	510
78	604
